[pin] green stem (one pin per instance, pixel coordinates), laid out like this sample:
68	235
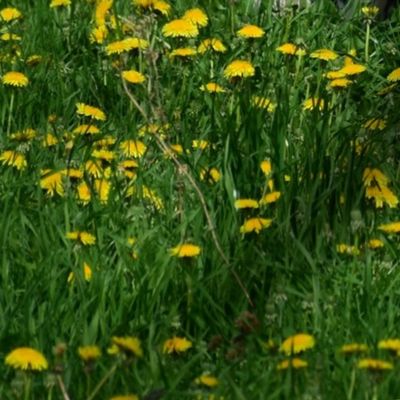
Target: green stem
10	111
367	37
105	378
28	384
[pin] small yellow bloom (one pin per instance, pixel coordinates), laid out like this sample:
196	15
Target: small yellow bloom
375	243
180	28
338	74
133	148
14	78
52	182
90	111
176	345
133	76
200	144
255	225
374	364
353	69
89	353
211	44
26	358
196	16
9	14
60	3
129	344
297	343
162	6
207	380
126	45
83	193
370	11
270	198
10	36
251	31
87	273
291	49
381	195
213	175
102	188
389	344
324	54
26	135
212	87
343	248
375	124
49	140
353	348
86	238
394	76
314	102
13	159
239	68
185	250
143	3
393	227
246	203
295	363
86	129
263	102
374	176
183	52
103	154
339	83
94	168
266	167
99	34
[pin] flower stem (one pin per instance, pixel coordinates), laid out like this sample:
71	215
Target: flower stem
10	111
103	380
28	384
367	38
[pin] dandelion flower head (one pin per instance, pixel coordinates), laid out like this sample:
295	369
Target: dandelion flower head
297	343
176	345
180	28
26	358
239	68
251	31
196	16
14	78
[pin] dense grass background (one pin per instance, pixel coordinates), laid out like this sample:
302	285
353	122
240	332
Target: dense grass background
296	279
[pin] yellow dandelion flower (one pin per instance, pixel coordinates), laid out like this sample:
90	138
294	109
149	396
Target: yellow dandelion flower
52	182
353	348
343	248
9	14
73	173
103	154
387	89
370	11
374	364
200	144
60	3
127	167
102	188
6	37
374	176
270	198
196	16
297	343
239	68
246	203
185	250
266	167
212	87
375	124
263	102
99	34
183	52
89	353
180	28
86	238
83	193
125	397
26	358
133	76
338	74
162	6
392	227
389	344
251	32
339	83
394	76
173	148
291	49
143	3
14	78
255	225
126	45
207	380
381	195
49	140
102	9
90	111
26	135
324	54
86	271
85	129
129	344
211	44
176	345
133	148
295	363
314	102
375	244
153	197
353	69
213	175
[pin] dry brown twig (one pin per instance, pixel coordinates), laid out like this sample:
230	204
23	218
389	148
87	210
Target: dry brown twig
184	170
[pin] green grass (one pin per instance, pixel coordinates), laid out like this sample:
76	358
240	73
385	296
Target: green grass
290	277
